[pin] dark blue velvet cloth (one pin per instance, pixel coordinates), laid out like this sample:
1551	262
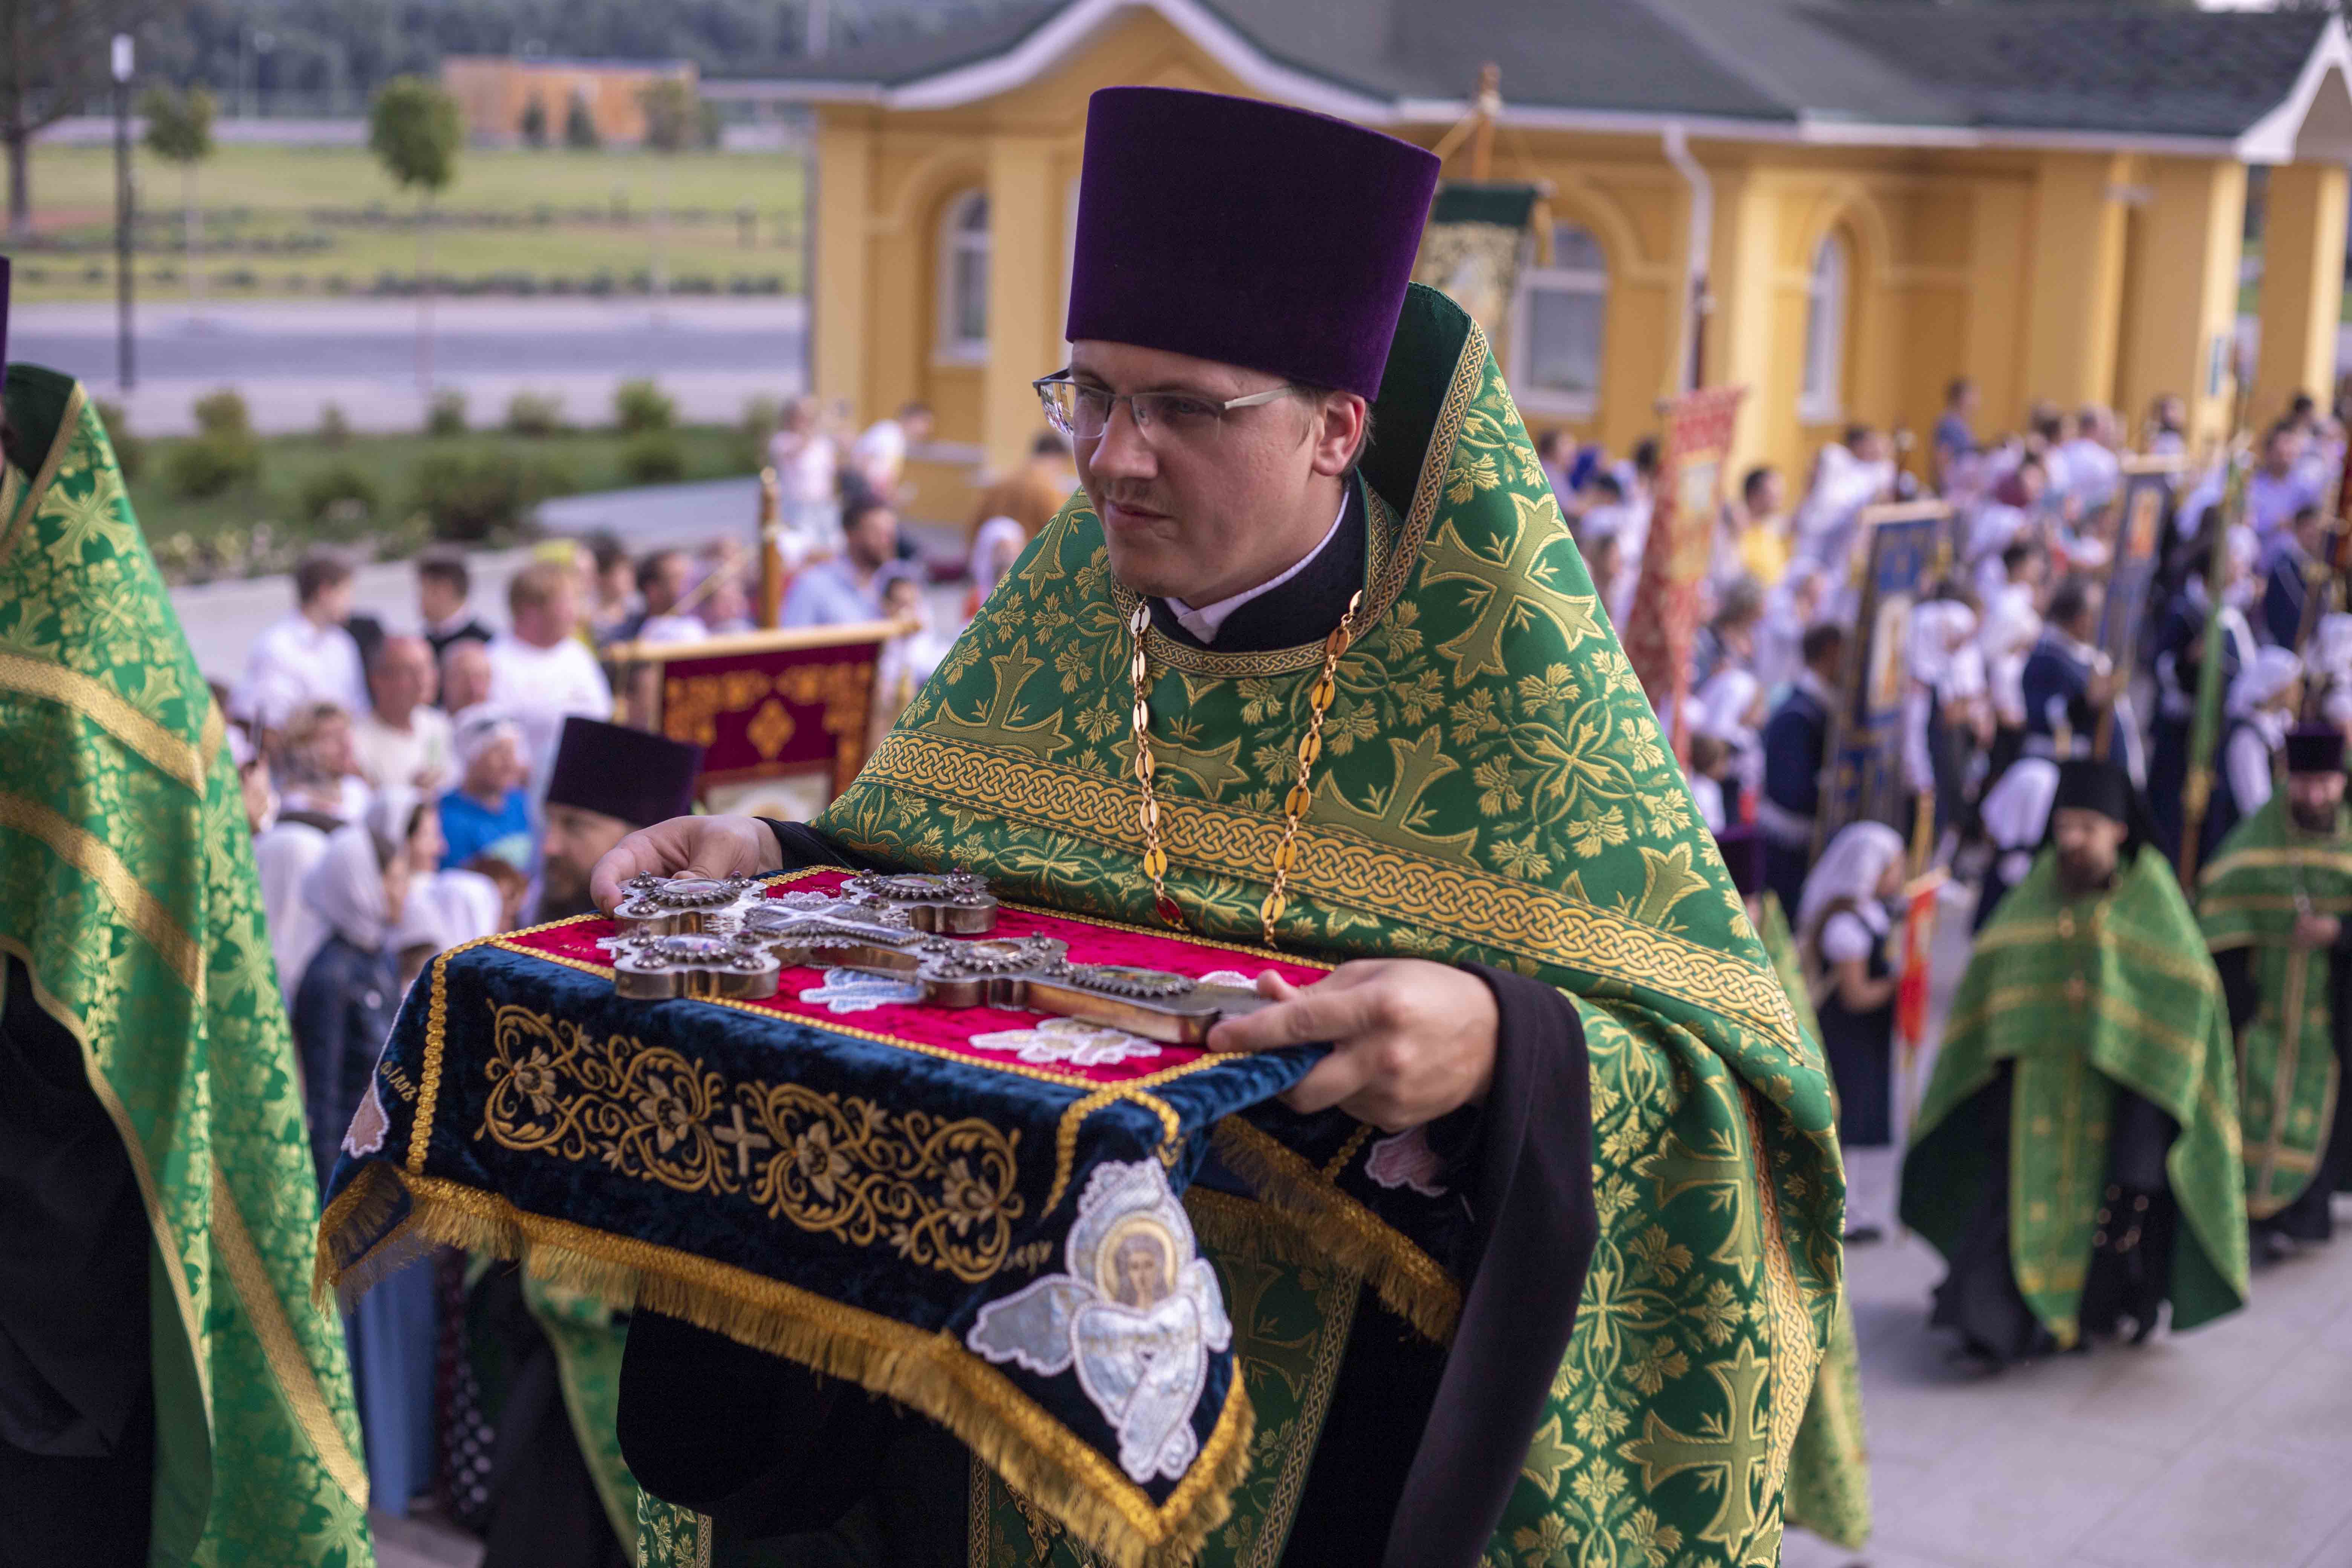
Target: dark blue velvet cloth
914	1132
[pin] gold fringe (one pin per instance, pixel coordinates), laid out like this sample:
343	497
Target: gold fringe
931	1373
1303	1217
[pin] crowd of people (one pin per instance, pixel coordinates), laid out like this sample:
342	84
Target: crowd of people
2018	734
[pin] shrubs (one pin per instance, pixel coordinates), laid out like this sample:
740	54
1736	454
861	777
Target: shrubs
222	455
335	430
534	414
639	405
340	497
653	457
469	499
446	414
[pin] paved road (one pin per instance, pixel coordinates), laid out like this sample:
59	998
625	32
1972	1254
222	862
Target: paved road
291	358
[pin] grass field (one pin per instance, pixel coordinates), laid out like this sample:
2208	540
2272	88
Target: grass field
280	215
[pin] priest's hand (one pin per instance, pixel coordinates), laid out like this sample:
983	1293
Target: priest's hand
1411	1040
686	846
2313	933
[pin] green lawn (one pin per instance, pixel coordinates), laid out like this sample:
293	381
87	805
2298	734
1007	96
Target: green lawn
215	535
284	211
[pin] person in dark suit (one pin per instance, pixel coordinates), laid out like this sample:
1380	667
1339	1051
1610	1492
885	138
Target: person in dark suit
2287	586
1796	742
2068	681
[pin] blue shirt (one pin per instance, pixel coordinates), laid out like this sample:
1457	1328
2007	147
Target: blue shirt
827	595
472	828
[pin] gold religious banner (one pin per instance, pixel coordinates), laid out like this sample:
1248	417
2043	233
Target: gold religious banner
764	705
1663	619
1477	232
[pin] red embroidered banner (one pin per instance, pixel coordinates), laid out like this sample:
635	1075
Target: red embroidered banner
1035	1044
764	705
1663	616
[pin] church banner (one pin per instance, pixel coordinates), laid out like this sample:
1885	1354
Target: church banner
2143	508
1664	617
1477	232
764	705
1863	778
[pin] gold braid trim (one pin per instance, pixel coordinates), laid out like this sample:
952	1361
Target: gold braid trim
1796	1351
1303	1217
1341	867
94	858
39	489
289	1362
2277	857
110	712
930	1373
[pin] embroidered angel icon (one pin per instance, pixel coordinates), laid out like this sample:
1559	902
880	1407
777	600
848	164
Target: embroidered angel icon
1137	1314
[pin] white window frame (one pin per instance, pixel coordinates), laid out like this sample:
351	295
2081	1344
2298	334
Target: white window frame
1534	279
1829	301
957	243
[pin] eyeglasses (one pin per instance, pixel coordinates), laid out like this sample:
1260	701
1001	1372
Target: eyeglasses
1082	410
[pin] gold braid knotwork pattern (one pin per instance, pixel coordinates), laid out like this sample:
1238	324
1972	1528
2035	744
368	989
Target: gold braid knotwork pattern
938	1192
1519	917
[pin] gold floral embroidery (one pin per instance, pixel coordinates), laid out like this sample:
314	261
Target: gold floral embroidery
938	1192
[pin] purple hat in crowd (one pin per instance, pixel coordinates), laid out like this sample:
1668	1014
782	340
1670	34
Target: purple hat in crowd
1247	233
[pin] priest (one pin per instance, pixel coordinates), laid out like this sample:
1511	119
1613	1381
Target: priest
169	1392
1313	664
2075	1157
548	1358
2272	904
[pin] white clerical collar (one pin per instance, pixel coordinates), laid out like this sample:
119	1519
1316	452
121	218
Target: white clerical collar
1204	622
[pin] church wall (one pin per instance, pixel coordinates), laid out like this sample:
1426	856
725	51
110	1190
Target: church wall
2076	276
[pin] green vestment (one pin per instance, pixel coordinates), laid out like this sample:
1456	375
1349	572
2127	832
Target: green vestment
1492	787
127	887
1829	1473
2263	874
2084	997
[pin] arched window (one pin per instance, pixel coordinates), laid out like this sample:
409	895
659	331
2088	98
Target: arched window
964	277
1821	398
1557	320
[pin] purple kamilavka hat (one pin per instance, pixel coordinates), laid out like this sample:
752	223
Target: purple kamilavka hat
1245	232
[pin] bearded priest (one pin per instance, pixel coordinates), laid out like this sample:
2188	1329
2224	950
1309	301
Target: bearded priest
1311	664
2075	1157
2273	905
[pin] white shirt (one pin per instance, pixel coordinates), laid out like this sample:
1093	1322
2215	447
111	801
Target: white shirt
1203	622
1847	936
283	855
672	628
296	662
2248	758
390	756
541	686
880	453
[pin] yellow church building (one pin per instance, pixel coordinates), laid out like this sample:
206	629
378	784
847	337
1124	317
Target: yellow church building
1841	205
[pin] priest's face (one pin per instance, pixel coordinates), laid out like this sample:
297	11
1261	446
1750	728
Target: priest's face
2312	799
575	840
1199	505
2088	842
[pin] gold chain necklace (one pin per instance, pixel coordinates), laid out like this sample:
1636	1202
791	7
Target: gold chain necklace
1294	805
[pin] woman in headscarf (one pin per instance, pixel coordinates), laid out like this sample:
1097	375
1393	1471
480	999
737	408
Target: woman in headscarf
995	547
1790	607
1934	748
2016	816
1730	708
342	1012
2261	704
1843	926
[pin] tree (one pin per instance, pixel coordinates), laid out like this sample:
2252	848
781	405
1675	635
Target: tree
579	126
53	60
415	131
673	122
534	124
180	130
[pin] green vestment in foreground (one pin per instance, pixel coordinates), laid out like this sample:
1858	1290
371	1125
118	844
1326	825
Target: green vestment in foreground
2084	996
1492	786
1829	1473
127	887
2263	874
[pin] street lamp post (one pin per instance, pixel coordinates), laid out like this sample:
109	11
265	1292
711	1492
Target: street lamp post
123	213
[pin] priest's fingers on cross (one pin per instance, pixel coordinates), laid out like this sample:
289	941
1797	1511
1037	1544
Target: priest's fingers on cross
686	846
1411	1040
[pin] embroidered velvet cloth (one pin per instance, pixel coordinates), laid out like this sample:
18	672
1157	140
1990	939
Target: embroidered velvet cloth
846	1177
